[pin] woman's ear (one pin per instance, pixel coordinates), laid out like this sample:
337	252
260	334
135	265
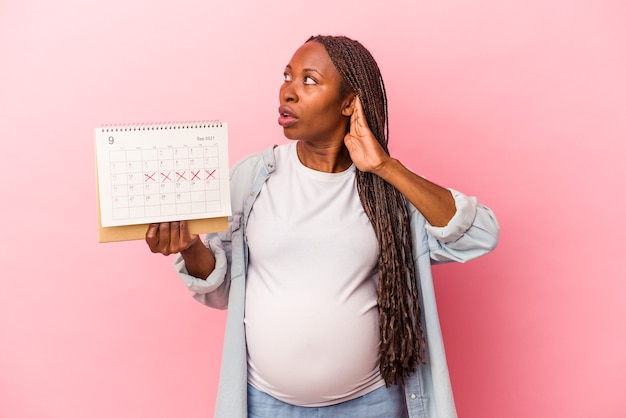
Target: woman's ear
348	105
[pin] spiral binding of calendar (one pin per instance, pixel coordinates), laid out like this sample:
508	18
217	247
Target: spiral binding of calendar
162	126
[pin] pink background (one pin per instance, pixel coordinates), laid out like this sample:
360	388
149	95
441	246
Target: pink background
521	103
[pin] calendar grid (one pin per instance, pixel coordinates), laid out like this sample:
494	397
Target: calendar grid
164	182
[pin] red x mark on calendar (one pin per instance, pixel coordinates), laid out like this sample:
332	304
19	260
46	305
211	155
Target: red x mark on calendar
149	176
166	176
180	176
209	174
195	176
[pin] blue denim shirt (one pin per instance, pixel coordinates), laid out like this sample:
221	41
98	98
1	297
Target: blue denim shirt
472	232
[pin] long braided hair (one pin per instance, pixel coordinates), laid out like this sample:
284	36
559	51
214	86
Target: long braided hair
402	345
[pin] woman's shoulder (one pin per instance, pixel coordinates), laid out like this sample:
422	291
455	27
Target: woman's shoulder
252	163
247	163
244	173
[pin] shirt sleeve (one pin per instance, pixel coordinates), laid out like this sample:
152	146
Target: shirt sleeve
212	290
473	231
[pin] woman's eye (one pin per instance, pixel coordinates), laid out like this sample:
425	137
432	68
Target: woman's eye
287	77
309	80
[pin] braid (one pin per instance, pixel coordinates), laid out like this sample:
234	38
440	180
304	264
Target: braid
402	339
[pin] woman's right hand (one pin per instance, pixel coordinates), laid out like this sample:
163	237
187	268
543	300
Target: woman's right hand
170	237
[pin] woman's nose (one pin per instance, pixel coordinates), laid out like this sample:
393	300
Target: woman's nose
288	93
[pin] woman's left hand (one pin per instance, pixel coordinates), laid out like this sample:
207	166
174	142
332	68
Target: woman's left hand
365	151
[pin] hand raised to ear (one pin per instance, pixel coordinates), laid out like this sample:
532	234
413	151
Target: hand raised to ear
365	151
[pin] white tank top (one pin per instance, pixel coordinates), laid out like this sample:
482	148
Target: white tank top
311	314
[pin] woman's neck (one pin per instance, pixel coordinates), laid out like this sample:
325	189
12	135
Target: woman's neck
328	158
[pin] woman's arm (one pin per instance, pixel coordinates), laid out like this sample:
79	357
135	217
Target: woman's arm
434	202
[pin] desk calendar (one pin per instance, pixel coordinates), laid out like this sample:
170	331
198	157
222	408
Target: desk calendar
162	173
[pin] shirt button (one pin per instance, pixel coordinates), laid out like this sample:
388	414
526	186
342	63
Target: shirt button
413	396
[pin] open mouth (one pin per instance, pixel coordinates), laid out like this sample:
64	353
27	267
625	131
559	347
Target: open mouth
286	118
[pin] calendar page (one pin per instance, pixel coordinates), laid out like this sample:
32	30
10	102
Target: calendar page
162	172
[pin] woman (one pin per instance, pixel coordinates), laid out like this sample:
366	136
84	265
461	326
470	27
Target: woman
325	268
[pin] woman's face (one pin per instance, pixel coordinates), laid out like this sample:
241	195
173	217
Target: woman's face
310	106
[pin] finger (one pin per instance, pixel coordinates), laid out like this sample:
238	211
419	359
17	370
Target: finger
152	237
186	237
358	106
174	242
357	120
184	231
355	109
164	238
